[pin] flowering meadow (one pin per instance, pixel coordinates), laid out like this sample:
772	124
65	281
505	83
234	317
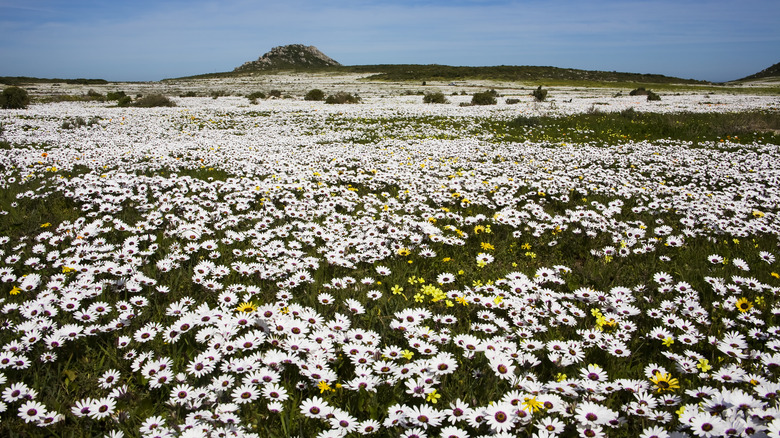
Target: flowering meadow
390	269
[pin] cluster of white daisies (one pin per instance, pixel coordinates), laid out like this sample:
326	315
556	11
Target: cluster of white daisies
243	265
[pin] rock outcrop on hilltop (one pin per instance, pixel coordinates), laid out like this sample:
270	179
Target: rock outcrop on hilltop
289	56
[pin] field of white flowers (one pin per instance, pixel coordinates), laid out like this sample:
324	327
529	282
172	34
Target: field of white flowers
390	268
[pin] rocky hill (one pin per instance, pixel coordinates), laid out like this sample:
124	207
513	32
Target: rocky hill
289	56
773	71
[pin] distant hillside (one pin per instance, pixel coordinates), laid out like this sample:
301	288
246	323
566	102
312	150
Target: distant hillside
508	72
18	80
773	71
289	56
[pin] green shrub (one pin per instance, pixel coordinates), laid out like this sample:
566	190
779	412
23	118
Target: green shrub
115	95
275	93
639	92
254	96
315	94
189	94
94	95
630	114
512	101
215	94
435	97
124	101
484	98
652	96
342	97
153	100
539	94
14	98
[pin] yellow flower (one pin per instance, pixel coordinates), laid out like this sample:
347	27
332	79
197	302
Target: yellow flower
462	301
498	299
419	298
757	213
403	252
487	247
704	365
407	354
396	290
743	305
433	397
532	404
67	269
560	377
665	382
45	225
246	307
775	274
324	386
668	341
479	229
15	290
446	259
526	246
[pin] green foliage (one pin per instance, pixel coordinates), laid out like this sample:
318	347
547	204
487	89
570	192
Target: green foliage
512	101
124	101
115	95
539	94
314	94
14	98
484	98
435	97
631	125
79	122
153	100
342	97
641	91
254	96
275	93
651	96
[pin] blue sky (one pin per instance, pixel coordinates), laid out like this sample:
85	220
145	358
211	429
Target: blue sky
140	40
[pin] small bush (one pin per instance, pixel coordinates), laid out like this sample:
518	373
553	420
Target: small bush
215	94
14	98
94	95
539	94
315	94
115	95
639	92
153	100
254	96
124	101
484	98
342	97
189	94
512	101
79	122
630	114
436	97
275	93
527	121
652	96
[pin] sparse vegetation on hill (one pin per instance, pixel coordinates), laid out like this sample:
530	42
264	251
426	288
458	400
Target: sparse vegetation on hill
770	72
19	80
505	72
290	56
